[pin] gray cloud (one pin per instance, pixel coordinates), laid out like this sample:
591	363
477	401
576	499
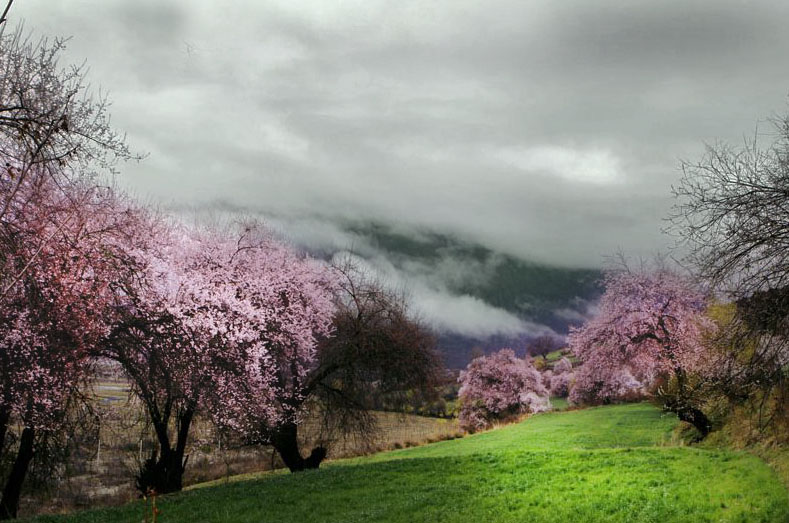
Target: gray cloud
549	131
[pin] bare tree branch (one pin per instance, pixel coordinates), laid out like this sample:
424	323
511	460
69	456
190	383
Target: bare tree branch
4	16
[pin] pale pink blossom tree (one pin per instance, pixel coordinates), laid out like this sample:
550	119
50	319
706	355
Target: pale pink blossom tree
499	387
561	378
285	306
648	337
596	384
58	236
224	320
163	358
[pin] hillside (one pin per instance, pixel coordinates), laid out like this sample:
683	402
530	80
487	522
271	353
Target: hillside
549	296
603	464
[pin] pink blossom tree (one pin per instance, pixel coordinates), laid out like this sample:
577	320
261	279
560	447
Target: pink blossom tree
58	242
224	320
286	303
240	325
561	378
648	337
336	339
499	387
59	229
161	356
596	384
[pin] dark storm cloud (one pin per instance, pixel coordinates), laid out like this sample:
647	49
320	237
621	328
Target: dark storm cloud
547	130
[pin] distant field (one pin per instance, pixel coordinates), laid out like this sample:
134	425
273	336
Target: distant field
605	464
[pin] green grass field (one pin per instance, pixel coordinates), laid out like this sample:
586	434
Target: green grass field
603	464
554	356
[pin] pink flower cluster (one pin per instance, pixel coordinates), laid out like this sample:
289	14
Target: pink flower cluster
560	379
226	319
58	250
498	387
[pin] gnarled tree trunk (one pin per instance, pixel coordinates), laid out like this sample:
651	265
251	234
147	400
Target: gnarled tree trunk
689	414
164	472
696	418
285	440
5	417
679	404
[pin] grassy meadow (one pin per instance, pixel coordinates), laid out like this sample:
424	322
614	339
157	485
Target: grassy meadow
618	463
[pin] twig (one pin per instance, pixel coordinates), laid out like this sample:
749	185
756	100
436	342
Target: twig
3	17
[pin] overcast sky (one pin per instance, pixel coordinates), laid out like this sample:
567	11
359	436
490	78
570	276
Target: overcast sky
547	130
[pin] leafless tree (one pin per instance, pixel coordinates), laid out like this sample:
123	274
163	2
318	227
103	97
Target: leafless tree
732	212
732	216
542	345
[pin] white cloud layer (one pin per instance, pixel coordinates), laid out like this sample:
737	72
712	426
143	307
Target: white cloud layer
595	166
432	301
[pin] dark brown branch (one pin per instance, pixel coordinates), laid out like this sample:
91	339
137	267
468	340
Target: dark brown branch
4	16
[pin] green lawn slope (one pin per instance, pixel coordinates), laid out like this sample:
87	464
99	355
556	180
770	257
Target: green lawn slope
604	464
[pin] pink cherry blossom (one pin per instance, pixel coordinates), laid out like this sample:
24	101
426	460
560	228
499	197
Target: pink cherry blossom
497	387
650	325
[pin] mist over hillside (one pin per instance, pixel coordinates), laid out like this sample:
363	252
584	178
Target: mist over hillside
472	295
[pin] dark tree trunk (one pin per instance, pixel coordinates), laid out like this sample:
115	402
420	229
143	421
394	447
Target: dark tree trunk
689	414
286	441
9	506
696	418
679	405
5	416
164	472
